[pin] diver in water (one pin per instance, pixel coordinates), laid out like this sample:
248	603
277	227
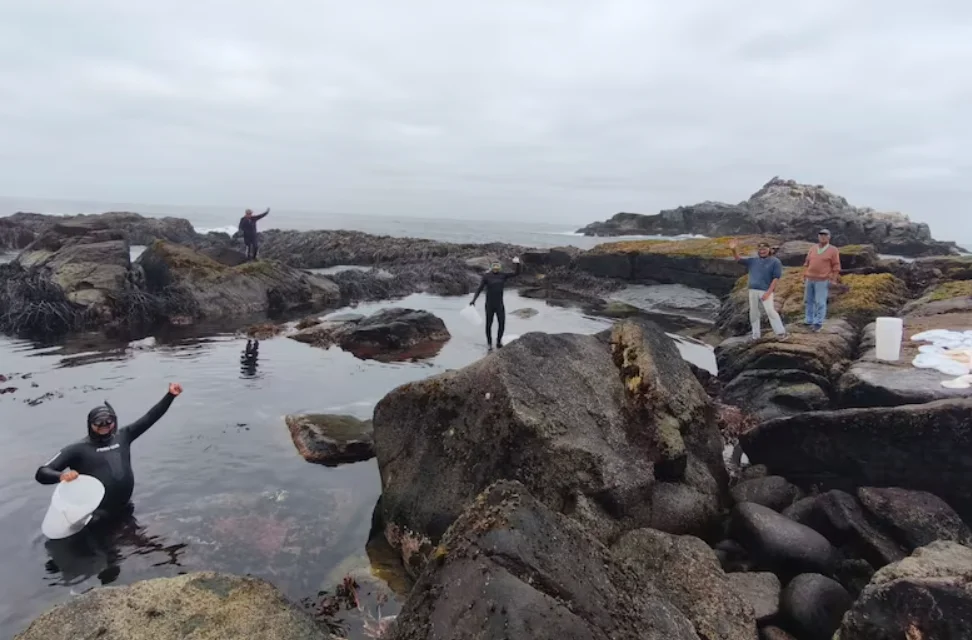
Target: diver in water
248	361
105	454
248	228
494	281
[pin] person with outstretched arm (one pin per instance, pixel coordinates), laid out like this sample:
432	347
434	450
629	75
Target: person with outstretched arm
248	229
493	282
765	271
105	454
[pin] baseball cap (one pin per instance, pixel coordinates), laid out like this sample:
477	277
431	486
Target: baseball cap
824	232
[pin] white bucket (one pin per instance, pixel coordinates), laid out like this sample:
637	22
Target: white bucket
888	333
71	506
471	316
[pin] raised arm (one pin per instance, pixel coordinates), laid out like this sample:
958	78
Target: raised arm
140	426
50	472
734	246
262	215
517	269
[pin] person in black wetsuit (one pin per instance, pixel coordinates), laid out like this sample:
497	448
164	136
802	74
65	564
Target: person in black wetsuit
248	229
105	454
494	281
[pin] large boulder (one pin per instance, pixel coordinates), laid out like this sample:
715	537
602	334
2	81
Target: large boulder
613	430
194	605
813	605
920	447
923	597
914	518
331	440
205	288
789	210
761	590
852	257
389	334
687	572
772	378
774	492
511	567
20	229
779	544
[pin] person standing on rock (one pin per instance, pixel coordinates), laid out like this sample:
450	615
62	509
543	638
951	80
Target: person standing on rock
820	270
765	272
248	229
106	454
494	282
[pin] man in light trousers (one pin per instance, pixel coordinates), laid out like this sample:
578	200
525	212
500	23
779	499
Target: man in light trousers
765	272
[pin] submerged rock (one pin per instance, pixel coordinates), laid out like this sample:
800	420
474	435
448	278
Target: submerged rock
525	313
389	334
787	209
200	605
921	447
511	567
924	597
331	440
613	430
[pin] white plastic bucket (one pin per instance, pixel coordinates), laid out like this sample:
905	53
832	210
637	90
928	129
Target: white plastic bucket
71	506
470	314
888	335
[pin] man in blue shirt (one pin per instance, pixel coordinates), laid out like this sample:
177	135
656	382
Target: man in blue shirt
765	272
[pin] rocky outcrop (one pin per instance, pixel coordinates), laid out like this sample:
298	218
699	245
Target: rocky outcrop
914	518
853	257
687	572
444	277
331	440
871	382
859	299
20	229
209	289
770	378
920	447
198	605
390	334
612	430
787	209
925	596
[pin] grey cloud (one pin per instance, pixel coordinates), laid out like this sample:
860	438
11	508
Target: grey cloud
543	110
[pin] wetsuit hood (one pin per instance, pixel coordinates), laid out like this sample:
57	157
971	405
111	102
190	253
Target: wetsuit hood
104	411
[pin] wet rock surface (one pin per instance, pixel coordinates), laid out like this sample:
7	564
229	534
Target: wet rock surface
761	590
913	447
927	595
688	573
390	334
813	605
774	492
779	544
788	209
914	518
331	440
613	430
203	605
499	572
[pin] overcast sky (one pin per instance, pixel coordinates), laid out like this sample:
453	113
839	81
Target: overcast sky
530	109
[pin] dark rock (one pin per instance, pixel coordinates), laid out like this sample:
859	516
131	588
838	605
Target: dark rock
754	471
818	354
225	255
852	257
767	394
839	518
914	518
549	258
709	381
687	572
779	544
923	597
760	590
204	605
772	491
670	299
919	447
732	556
214	290
20	229
813	606
788	209
510	567
598	427
389	334
331	440
774	633
854	574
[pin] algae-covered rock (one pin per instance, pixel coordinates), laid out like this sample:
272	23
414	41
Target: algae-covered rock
206	605
330	439
389	334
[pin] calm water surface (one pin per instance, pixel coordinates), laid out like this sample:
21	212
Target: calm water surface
219	483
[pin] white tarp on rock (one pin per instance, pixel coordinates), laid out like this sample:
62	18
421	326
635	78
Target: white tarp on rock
950	353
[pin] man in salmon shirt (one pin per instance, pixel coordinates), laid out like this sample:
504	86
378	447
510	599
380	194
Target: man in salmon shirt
820	270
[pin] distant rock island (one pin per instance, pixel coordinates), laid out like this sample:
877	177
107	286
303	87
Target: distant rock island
790	210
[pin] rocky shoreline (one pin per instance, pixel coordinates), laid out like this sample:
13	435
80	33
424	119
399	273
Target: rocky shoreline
574	486
787	209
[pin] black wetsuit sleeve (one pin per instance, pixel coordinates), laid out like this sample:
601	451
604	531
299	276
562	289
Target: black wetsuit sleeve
482	285
140	426
50	472
262	215
516	271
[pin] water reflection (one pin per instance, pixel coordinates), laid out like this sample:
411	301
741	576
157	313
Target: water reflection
99	550
248	361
